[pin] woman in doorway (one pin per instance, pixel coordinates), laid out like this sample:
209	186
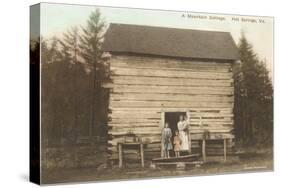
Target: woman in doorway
187	121
183	133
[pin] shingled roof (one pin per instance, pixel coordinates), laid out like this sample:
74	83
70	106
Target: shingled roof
183	43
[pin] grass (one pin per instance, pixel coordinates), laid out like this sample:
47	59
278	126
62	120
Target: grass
250	161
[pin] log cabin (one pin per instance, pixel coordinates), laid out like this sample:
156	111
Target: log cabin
160	73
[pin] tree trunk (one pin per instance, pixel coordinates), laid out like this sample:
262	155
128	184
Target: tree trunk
91	106
75	95
93	98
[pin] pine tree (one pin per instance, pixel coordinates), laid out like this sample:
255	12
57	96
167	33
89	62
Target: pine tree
52	90
70	45
53	54
70	51
91	42
253	96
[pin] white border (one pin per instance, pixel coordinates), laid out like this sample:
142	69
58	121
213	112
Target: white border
14	79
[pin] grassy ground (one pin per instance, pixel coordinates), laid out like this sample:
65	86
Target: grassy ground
251	161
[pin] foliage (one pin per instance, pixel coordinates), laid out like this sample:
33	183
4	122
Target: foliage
90	44
70	66
253	97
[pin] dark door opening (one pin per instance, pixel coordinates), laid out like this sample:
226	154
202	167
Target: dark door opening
173	118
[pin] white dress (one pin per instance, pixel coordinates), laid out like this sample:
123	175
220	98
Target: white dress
182	126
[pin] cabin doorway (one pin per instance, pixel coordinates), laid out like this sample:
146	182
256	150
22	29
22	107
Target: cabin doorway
172	118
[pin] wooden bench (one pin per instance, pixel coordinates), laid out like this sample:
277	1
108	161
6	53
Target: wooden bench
214	137
139	145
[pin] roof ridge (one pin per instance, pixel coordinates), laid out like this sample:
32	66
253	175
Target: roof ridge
163	27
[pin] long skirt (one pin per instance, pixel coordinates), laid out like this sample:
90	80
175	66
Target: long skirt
184	141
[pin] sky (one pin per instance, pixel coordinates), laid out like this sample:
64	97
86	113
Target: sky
57	18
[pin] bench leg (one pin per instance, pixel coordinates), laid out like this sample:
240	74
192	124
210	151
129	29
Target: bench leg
142	155
204	150
224	149
120	155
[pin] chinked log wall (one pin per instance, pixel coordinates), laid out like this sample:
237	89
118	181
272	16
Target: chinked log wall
144	87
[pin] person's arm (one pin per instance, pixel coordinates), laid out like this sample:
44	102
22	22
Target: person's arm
187	125
184	125
179	126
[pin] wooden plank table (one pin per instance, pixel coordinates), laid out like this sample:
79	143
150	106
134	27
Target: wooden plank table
121	148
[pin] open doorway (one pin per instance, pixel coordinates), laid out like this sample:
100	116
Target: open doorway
173	118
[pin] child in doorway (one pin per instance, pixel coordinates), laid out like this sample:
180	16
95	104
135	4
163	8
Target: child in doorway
177	144
166	140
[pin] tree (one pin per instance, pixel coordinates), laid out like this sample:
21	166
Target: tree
253	96
52	90
70	51
91	42
53	54
72	72
70	45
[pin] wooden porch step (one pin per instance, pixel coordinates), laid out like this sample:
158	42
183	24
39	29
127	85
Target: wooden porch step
177	163
185	158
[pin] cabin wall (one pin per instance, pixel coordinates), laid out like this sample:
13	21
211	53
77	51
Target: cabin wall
144	88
